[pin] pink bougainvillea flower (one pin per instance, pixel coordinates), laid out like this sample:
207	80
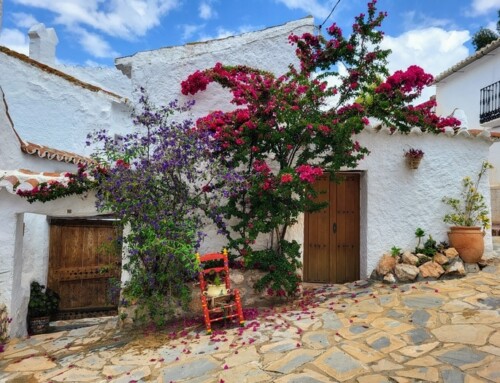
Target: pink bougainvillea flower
308	173
261	167
286	177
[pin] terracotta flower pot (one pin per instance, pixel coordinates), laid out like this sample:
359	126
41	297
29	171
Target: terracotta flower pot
413	162
39	325
468	241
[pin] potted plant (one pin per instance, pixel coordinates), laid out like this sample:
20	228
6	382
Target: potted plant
469	218
216	284
43	303
413	157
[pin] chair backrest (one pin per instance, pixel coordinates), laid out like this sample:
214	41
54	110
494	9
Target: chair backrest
213	257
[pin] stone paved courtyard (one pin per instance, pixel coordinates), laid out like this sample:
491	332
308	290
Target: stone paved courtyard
441	331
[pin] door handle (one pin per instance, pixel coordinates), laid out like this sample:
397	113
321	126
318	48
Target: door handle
334	227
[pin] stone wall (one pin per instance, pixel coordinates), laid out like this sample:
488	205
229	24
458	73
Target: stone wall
243	280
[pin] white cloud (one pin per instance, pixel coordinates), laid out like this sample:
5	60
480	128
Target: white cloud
312	7
24	20
206	11
417	20
15	39
189	30
492	25
481	7
433	49
127	19
95	45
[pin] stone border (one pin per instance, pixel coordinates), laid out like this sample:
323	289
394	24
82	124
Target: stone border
410	267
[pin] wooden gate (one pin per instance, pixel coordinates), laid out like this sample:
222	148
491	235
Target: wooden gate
331	235
84	264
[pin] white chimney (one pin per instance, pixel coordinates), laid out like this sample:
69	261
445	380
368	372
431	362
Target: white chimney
43	43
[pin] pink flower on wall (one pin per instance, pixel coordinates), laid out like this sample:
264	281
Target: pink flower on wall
309	173
286	177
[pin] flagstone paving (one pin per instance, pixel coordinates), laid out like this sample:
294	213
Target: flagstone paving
440	331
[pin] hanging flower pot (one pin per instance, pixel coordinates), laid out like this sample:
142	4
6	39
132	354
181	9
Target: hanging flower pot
413	157
413	163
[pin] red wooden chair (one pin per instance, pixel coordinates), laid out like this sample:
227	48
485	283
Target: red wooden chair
227	304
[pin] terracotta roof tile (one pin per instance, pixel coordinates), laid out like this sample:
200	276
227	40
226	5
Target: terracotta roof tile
23	179
59	73
53	154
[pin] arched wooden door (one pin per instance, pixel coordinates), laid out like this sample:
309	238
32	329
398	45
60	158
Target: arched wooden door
331	235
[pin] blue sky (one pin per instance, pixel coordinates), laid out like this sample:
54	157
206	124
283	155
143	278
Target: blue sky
433	33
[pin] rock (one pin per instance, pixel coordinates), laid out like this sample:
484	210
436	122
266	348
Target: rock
376	276
441	259
422	258
410	258
482	264
475	334
456	268
386	264
451	252
431	269
406	273
389	278
471	267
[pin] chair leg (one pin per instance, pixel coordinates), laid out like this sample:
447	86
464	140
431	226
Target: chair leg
206	315
239	308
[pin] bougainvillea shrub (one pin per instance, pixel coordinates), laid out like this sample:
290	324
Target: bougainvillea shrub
287	130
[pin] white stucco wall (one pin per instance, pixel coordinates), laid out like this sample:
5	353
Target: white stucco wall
35	249
52	111
395	200
108	78
400	199
24	232
161	71
462	90
20	263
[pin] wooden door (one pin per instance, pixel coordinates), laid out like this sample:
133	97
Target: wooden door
84	265
331	235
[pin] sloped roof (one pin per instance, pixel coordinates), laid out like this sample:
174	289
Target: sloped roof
56	72
40	150
53	154
469	60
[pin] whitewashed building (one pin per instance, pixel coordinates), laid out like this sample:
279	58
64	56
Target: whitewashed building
45	108
385	203
471	89
24	252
